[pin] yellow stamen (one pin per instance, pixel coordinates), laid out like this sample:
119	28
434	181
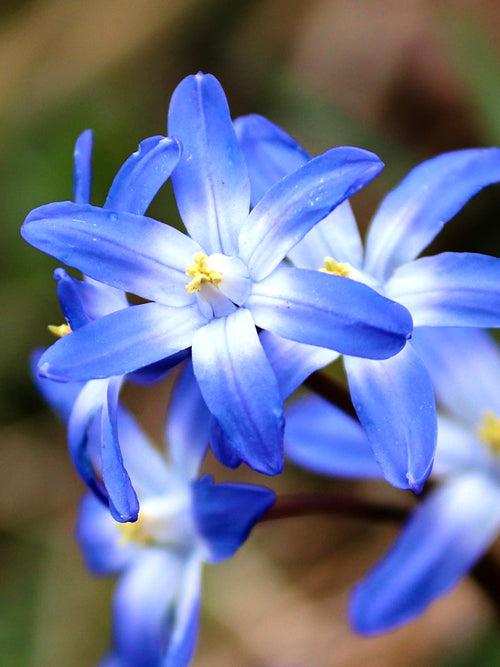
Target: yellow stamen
489	431
201	273
133	533
60	331
336	268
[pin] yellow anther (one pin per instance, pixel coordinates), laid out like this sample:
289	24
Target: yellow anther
201	273
60	331
133	533
336	268
489	431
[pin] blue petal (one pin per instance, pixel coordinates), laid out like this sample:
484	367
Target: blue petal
295	204
61	396
210	182
240	389
187	424
121	342
395	403
155	371
220	446
144	606
329	311
130	252
82	169
143	174
459	449
123	502
103	549
226	513
464	365
411	215
451	289
293	362
82	302
442	540
270	153
322	438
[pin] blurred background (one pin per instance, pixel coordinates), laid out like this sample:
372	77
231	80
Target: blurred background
404	78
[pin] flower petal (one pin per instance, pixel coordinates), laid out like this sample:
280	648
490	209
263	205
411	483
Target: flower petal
99	539
450	289
123	502
442	540
271	154
210	183
61	396
121	342
144	605
142	175
464	365
293	362
329	311
187	424
395	403
295	204
130	252
411	215
82	168
459	449
240	389
226	513
322	438
82	301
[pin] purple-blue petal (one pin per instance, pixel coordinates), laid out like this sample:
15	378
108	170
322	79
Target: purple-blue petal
295	204
226	513
442	540
240	389
394	401
413	213
270	153
210	183
142	175
221	448
329	311
322	438
121	342
82	168
61	396
451	289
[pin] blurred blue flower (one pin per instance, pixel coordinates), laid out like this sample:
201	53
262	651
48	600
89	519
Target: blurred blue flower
454	525
210	290
83	302
393	398
183	522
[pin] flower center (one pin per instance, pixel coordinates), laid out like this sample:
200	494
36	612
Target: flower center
201	273
60	331
336	268
134	533
489	431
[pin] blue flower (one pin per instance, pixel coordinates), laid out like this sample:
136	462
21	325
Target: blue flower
455	524
183	522
210	290
83	302
393	398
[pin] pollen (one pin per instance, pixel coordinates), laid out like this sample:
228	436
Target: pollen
201	273
134	533
489	431
59	331
336	268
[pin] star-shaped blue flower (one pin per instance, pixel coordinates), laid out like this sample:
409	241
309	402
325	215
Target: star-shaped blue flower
455	524
393	398
210	290
183	523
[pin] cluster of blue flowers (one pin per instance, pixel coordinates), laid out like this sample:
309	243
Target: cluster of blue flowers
270	283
